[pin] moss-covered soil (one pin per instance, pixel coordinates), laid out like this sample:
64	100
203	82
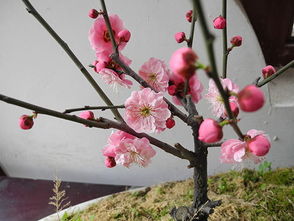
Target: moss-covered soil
247	195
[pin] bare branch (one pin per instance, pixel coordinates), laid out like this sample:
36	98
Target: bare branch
279	72
67	111
98	123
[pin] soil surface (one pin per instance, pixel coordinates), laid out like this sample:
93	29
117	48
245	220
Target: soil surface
247	195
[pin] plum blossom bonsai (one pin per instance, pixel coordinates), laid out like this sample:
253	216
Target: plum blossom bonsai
149	111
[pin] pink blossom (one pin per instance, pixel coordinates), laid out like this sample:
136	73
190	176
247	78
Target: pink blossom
268	71
236	41
93	13
182	62
189	15
214	97
124	35
113	141
26	122
219	22
180	37
146	111
256	144
114	79
155	73
259	143
251	98
195	89
137	151
107	68
88	115
100	38
233	151
210	131
109	162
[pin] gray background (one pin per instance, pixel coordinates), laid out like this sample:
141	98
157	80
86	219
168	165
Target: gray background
35	69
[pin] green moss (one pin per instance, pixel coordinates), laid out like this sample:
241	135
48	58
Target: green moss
260	195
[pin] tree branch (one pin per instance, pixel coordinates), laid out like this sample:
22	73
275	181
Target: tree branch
279	72
73	57
67	111
225	40
191	37
98	123
213	72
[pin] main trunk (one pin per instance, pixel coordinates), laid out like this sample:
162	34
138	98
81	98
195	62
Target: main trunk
200	179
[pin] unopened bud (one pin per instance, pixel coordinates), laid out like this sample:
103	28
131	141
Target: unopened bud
180	37
124	35
219	22
26	122
268	71
236	41
93	13
189	15
170	123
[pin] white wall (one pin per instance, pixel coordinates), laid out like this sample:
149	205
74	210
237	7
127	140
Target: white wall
35	69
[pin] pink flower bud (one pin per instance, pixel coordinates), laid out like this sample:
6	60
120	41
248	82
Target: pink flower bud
180	37
236	41
124	35
251	98
268	71
99	65
26	122
234	108
219	22
189	15
210	131
88	115
182	62
172	89
93	13
259	145
109	162
170	123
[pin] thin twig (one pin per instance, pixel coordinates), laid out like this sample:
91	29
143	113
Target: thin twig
73	57
99	123
110	31
213	144
92	108
279	72
191	37
213	72
225	43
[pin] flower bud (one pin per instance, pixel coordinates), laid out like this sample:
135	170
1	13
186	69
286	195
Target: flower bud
189	15
234	108
182	62
180	37
236	41
88	115
124	35
170	123
172	89
93	13
259	145
26	122
109	162
268	71
210	131
219	22
251	98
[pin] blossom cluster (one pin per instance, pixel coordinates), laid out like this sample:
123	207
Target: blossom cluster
146	110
